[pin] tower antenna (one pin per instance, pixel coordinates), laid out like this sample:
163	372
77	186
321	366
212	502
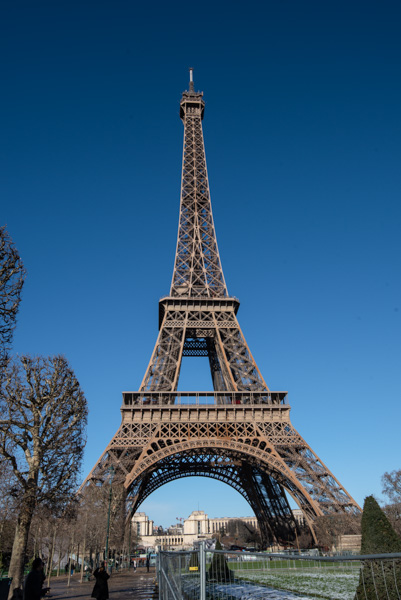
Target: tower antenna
191	79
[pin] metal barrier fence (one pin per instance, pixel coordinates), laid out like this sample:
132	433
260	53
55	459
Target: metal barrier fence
222	575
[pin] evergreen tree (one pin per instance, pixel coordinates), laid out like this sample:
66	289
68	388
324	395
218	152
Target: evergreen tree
219	570
378	579
378	536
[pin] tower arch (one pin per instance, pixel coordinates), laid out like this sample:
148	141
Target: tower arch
258	481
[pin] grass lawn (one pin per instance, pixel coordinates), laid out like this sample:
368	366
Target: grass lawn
332	584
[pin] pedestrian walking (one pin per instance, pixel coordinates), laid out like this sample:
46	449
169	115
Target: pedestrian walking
101	588
147	563
33	583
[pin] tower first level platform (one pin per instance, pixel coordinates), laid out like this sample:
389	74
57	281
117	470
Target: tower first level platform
244	439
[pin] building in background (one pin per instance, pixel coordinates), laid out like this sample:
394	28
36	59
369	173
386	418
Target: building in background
142	525
184	535
187	533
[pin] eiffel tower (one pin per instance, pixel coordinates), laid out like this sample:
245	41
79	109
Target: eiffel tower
240	433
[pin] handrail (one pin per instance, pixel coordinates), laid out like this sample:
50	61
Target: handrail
176	398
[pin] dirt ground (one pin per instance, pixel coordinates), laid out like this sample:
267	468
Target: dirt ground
139	586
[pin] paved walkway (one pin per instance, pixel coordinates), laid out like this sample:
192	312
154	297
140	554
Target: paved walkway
122	586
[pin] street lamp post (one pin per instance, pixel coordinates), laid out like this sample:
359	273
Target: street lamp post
129	543
111	470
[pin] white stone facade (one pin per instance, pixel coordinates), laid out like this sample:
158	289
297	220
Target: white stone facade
196	527
199	527
142	525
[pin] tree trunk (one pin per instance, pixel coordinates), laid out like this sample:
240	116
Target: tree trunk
59	560
70	561
83	554
50	563
1	533
17	563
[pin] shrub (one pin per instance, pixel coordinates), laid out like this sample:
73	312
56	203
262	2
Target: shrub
378	579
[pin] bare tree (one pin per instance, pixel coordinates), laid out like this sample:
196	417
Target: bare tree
102	512
392	489
42	437
240	533
90	527
330	528
8	509
12	275
392	485
305	539
393	513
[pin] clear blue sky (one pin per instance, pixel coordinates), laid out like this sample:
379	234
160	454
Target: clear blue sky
302	130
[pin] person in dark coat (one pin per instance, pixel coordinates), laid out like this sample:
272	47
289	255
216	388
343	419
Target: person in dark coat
101	588
33	583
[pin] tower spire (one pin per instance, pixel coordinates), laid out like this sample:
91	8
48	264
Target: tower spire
191	79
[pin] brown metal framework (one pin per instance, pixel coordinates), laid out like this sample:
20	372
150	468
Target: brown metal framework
241	432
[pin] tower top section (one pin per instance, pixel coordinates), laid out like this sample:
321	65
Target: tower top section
192	101
197	269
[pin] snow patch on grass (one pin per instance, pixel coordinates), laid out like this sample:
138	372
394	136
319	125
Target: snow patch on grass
332	586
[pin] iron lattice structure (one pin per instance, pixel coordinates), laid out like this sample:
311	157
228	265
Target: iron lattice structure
241	432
